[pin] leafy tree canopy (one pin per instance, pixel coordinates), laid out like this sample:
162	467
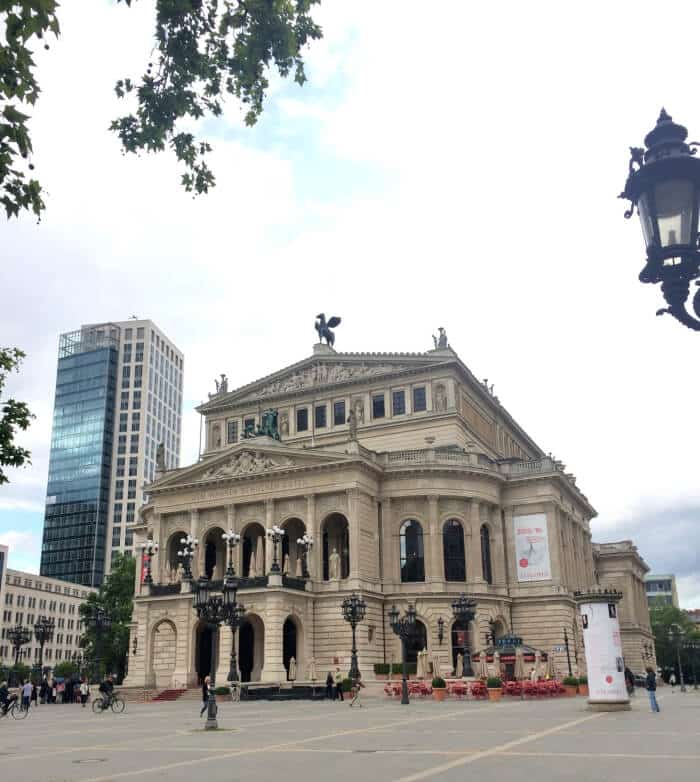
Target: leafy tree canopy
14	415
203	50
116	598
665	622
65	669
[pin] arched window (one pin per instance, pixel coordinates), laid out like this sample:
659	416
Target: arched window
486	554
453	551
336	543
412	559
416	642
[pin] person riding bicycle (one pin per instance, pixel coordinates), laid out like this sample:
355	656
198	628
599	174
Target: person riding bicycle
6	700
107	690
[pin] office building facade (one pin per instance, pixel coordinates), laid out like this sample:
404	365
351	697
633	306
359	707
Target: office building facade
118	394
661	590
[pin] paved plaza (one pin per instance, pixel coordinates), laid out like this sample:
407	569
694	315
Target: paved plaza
508	742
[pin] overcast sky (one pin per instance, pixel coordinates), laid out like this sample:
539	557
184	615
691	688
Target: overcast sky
454	164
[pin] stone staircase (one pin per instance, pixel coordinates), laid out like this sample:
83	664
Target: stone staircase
168	695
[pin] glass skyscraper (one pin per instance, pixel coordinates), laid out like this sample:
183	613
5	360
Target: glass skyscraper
118	394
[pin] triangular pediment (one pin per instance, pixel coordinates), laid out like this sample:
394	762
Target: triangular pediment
326	369
258	456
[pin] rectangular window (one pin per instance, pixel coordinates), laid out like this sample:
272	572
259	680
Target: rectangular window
398	403
378	406
320	416
127	333
127	353
139	333
124	401
419	399
129	512
117	512
137	400
134	443
339	413
139	351
123	421
135	422
138	374
119	490
232	432
129	537
116	535
132	490
120	466
133	464
302	419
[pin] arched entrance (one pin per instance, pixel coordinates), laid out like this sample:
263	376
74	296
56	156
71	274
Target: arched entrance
253	551
207	639
163	652
289	643
251	645
336	539
291	556
416	642
214	554
460	641
172	561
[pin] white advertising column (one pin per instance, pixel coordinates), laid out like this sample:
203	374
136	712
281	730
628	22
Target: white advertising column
601	637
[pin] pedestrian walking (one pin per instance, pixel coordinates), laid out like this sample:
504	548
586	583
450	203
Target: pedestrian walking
358	685
84	691
26	695
672	681
651	689
629	681
44	690
35	693
338	679
329	686
205	694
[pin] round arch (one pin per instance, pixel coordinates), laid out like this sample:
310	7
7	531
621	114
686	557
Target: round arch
251	648
252	550
294	528
206	638
416	642
214	553
486	561
293	645
461	639
453	550
172	561
162	653
335	534
411	552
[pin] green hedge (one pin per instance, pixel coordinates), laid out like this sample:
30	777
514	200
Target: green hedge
222	691
396	668
439	683
493	683
570	681
583	679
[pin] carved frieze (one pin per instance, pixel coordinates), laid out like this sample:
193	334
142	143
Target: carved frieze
246	463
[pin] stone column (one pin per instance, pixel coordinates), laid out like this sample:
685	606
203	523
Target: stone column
273	670
435	568
313	560
224	660
474	569
387	541
498	555
509	544
269	521
354	522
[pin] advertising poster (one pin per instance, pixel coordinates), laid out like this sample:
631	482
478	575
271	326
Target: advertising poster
532	547
603	645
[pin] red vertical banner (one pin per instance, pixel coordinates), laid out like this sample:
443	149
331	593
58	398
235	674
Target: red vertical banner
144	569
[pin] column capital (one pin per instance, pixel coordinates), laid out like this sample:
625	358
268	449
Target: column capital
433	500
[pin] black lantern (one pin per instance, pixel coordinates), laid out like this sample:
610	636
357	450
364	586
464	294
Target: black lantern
354	608
664	185
404	628
43	632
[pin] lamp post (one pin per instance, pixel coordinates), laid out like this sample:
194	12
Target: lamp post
354	608
148	549
231	539
305	543
235	611
188	546
664	184
568	655
214	610
464	611
19	636
43	632
441	629
275	535
404	628
676	635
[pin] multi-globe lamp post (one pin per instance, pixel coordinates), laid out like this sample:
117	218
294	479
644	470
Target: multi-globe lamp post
275	535
43	633
664	186
236	611
305	543
188	546
149	549
404	627
354	608
19	636
100	621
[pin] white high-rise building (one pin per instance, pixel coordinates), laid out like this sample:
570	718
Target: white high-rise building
118	395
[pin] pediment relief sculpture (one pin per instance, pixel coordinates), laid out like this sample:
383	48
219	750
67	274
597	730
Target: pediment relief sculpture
323	374
247	462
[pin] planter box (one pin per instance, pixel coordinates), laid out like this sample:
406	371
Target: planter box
439	693
570	690
583	689
495	694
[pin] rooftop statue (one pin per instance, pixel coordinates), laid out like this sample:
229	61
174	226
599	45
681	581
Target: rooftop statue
440	342
324	328
268	426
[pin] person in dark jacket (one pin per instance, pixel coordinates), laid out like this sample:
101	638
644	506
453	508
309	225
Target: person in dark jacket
329	686
205	694
629	681
651	689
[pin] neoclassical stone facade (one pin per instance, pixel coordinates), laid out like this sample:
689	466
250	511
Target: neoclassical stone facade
415	484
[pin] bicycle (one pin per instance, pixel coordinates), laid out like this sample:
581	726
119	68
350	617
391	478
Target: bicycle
115	703
16	709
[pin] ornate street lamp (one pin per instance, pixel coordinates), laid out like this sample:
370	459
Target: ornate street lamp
185	555
275	535
664	185
305	543
568	655
19	636
676	635
43	632
148	549
441	629
405	629
231	539
464	611
354	608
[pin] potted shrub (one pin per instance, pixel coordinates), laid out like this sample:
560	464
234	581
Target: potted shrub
583	685
570	686
494	686
439	688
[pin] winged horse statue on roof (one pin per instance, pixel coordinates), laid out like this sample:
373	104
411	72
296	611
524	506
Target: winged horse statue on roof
324	328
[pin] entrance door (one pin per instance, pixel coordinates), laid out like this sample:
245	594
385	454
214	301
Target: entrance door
289	643
246	651
205	641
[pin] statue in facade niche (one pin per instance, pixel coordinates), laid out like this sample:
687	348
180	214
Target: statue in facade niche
160	457
440	398
324	327
360	411
352	425
292	669
284	424
334	565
